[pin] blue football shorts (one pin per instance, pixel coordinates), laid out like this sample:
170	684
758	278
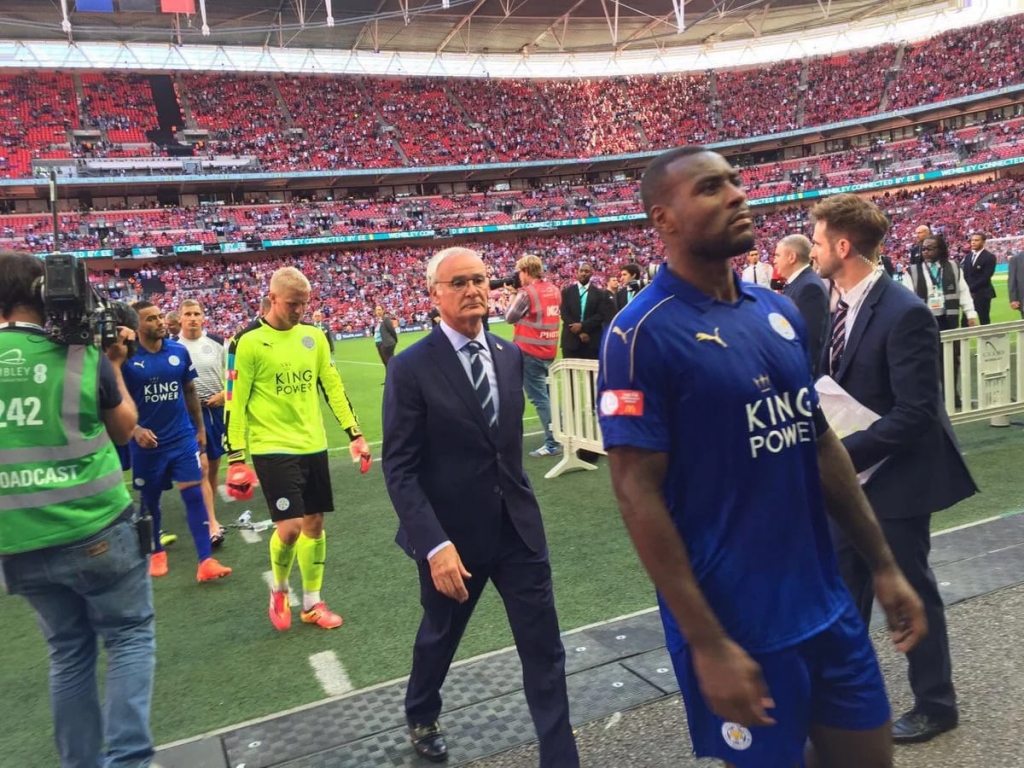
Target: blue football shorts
213	422
162	466
830	679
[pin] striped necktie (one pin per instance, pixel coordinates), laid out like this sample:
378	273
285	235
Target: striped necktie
838	343
481	385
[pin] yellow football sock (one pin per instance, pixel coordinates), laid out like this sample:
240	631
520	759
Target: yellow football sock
282	557
312	553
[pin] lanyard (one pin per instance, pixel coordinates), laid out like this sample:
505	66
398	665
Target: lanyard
854	308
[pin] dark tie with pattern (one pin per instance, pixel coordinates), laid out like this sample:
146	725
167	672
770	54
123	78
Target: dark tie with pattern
838	343
480	383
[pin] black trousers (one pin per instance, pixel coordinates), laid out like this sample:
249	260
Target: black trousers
983	307
930	667
523	579
386	353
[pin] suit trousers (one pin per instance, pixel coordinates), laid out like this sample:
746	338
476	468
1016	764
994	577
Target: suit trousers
930	669
386	353
523	580
983	306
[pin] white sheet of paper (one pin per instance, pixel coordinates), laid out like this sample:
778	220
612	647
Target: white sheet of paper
845	415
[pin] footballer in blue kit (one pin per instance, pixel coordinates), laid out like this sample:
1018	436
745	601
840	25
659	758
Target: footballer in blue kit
165	447
723	466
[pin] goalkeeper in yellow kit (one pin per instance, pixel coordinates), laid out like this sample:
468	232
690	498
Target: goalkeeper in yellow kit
276	368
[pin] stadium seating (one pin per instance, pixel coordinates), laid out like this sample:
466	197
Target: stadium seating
171	226
322	123
36	113
347	285
120	104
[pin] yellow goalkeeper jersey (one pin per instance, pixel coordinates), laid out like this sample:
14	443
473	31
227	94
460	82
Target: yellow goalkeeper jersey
275	379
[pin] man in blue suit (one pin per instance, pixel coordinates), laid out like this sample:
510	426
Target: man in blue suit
452	458
884	351
805	289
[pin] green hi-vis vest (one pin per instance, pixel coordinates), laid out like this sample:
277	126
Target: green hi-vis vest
60	476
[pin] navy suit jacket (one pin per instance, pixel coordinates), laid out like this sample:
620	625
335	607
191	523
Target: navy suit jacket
810	295
448	473
979	274
891	365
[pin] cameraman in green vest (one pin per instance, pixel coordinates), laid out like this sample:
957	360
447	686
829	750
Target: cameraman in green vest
69	543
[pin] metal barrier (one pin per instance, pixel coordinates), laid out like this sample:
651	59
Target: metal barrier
573	384
989	379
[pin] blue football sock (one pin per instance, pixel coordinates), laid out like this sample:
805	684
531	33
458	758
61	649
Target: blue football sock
198	520
151	501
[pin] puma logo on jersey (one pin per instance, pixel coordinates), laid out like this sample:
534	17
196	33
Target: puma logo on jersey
712	337
623	333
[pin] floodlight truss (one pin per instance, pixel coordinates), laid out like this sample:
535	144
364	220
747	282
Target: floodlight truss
459	25
677	8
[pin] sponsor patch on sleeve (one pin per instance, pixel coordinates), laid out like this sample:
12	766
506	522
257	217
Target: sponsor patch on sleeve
622	402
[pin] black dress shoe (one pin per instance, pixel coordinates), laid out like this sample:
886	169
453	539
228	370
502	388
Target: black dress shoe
428	741
917	727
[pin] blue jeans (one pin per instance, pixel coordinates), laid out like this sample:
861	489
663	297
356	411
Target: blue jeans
95	588
535	384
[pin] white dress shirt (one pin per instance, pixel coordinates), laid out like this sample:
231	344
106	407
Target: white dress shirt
854	298
458	342
759	273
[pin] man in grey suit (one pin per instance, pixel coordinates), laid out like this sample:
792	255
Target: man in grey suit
1016	282
805	289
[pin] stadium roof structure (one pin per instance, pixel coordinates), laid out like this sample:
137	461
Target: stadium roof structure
473	27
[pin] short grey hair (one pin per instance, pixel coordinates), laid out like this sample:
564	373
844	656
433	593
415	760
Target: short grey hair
435	261
799	245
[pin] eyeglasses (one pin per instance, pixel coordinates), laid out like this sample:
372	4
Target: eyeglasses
460	283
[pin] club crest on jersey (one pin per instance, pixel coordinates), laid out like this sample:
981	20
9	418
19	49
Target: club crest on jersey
307	342
283	504
174	360
781	326
736	736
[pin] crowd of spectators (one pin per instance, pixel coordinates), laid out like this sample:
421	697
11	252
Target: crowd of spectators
120	104
348	285
180	226
960	62
327	123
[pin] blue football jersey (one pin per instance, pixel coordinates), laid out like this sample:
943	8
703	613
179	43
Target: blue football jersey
156	382
726	391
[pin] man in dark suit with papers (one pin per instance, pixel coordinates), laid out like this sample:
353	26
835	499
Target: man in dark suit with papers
884	351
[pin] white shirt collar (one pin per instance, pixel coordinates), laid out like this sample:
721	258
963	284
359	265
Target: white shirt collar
794	276
458	341
853	296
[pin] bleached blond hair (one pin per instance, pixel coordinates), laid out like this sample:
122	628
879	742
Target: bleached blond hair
288	278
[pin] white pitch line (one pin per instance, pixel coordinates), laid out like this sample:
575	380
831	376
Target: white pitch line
331	673
293	600
250	536
359	362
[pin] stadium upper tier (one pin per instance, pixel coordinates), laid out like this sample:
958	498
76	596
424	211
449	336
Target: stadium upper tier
165	227
320	123
347	285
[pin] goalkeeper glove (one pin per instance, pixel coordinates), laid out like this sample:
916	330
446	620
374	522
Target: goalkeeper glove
240	479
360	452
